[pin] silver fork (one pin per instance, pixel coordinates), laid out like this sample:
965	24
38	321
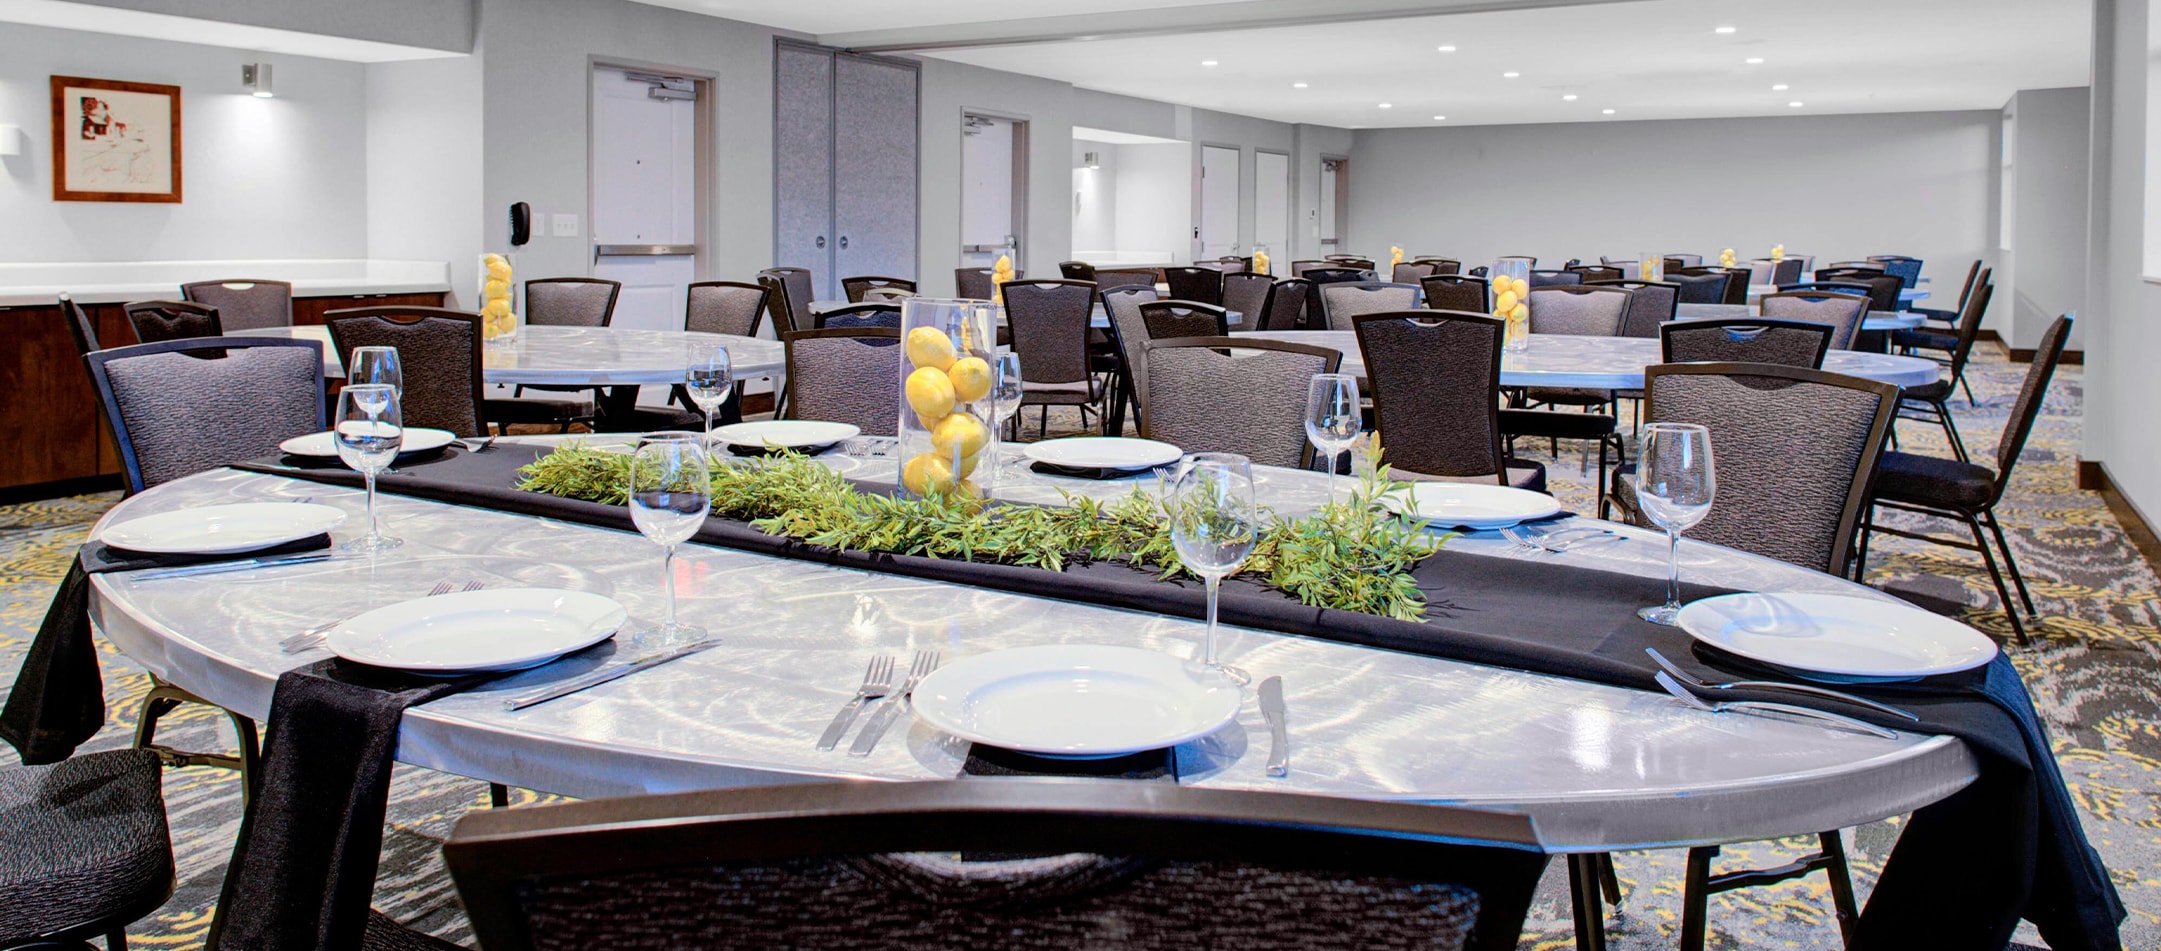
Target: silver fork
1841	696
1757	706
1522	545
478	445
894	703
877	682
314	637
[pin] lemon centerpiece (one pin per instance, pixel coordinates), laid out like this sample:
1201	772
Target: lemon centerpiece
498	320
945	387
1510	292
1260	261
1726	258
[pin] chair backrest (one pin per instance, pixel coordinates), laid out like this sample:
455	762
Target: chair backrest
1138	865
879	314
1844	271
571	301
1966	290
156	320
1441	265
1286	305
1969	324
1686	260
1350	261
1883	290
1333	274
2031	395
1202	284
1049	323
1649	305
1250	295
845	375
791	299
83	329
1435	379
886	295
1738	280
1077	270
1842	311
1130	334
1786	271
1554	278
1598	272
1578	310
854	287
245	304
1456	292
1907	270
1794	450
1168	319
438	356
1299	268
974	283
1790	343
174	415
1698	285
1342	302
1107	279
1411	272
726	307
1203	398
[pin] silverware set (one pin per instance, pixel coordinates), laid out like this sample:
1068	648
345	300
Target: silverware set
315	637
477	445
1523	542
1279	735
878	695
877	682
1672	677
1700	684
606	674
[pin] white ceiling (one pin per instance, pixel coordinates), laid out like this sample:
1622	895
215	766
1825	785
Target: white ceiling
835	16
117	21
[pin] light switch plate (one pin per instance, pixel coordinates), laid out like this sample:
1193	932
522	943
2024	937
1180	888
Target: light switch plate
563	226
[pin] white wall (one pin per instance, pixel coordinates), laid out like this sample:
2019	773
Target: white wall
2122	340
432	24
2044	273
261	178
951	90
424	175
1832	186
1155	199
1095	198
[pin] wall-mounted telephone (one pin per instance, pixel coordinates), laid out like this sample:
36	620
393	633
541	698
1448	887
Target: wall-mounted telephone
521	223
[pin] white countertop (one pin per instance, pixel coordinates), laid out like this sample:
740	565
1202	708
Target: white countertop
39	284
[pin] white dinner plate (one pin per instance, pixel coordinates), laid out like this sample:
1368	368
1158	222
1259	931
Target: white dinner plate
324	445
222	529
1076	700
1104	452
785	433
1474	505
476	631
1837	634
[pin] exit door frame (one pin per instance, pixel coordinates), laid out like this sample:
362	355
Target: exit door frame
702	161
1023	131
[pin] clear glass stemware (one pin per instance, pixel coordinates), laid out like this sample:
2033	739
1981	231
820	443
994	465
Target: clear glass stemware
1005	395
671	491
1214	525
709	380
1333	418
1675	483
370	429
376	365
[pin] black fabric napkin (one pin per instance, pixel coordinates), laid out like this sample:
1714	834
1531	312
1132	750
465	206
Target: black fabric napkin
1154	765
58	700
2010	845
1085	472
304	868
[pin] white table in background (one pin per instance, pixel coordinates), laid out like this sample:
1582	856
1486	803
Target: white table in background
1098	318
1909	294
582	356
1610	363
1876	319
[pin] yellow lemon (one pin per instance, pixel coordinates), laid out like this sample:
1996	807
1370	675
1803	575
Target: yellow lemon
491	260
496	308
930	347
967	466
1522	287
970	489
930	392
499	269
1519	312
961	434
971	379
1506	302
495	290
926	474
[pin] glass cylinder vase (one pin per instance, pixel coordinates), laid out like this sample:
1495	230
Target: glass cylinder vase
1651	267
946	429
498	299
1510	280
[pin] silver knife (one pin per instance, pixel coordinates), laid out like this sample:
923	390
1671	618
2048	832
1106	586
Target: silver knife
1279	734
247	565
605	674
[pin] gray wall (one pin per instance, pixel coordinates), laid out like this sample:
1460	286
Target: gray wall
1832	186
2043	273
424	178
261	178
949	92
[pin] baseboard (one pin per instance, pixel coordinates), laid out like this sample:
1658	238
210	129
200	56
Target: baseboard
2069	358
2093	477
1988	335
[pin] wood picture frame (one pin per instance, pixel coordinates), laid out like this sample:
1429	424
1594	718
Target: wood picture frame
120	146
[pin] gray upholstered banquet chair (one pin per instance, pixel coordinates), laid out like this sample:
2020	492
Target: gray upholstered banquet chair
1337	274
1108	278
1128	334
1698	285
855	287
790	304
1166	319
725	307
1687	260
80	326
1435	380
882	314
157	320
1351	260
1202	398
1581	311
1456	292
438	355
1200	284
1049	323
571	301
1791	343
1934	398
88	849
245	304
1251	295
974	283
1342	302
1300	267
1649	305
1906	269
1441	265
175	416
1549	277
1597	272
1286	305
1411	272
844	375
1842	311
999	866
1077	270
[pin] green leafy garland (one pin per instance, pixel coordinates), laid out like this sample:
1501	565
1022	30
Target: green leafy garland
1351	556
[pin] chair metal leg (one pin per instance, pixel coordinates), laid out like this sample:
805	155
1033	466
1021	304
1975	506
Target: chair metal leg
1860	547
1988	559
1609	880
1696	897
1950	431
1968	387
498	796
161	700
2018	579
116	940
1590	912
1849	912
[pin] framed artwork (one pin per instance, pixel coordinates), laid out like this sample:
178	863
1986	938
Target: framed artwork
115	141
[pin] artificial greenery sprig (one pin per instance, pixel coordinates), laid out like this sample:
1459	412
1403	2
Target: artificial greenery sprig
1353	555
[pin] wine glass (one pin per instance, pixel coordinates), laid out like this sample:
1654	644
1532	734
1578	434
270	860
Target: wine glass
370	430
671	490
709	380
377	365
1333	418
1675	482
1005	394
1213	526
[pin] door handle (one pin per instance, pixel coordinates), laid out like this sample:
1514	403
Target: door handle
844	242
821	242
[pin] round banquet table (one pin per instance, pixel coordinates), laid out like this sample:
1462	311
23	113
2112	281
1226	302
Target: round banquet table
1598	767
582	356
1609	363
1876	319
1098	318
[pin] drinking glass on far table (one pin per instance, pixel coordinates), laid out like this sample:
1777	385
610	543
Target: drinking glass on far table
1213	526
370	430
671	490
709	380
376	365
1333	418
1675	482
1005	393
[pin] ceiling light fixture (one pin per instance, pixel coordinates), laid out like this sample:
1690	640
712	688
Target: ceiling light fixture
1511	74
1723	30
1755	61
1780	87
1571	97
1795	104
1606	111
1298	85
1447	49
1208	62
256	76
1388	105
1440	118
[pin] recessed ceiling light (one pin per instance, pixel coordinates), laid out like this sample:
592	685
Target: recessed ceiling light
1298	85
1511	74
1440	118
1755	61
1448	49
1780	87
1208	62
1606	111
1723	29
1571	97
1795	104
1388	105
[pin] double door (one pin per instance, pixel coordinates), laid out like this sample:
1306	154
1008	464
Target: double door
845	162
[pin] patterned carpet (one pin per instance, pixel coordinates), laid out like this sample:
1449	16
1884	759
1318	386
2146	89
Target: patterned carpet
2094	670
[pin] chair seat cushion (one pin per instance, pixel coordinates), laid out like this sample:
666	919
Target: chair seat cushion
1062	394
1935	392
1925	339
1929	480
86	842
1555	425
1568	395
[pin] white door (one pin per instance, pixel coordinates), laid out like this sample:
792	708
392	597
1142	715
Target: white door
1219	203
645	194
990	177
1272	204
